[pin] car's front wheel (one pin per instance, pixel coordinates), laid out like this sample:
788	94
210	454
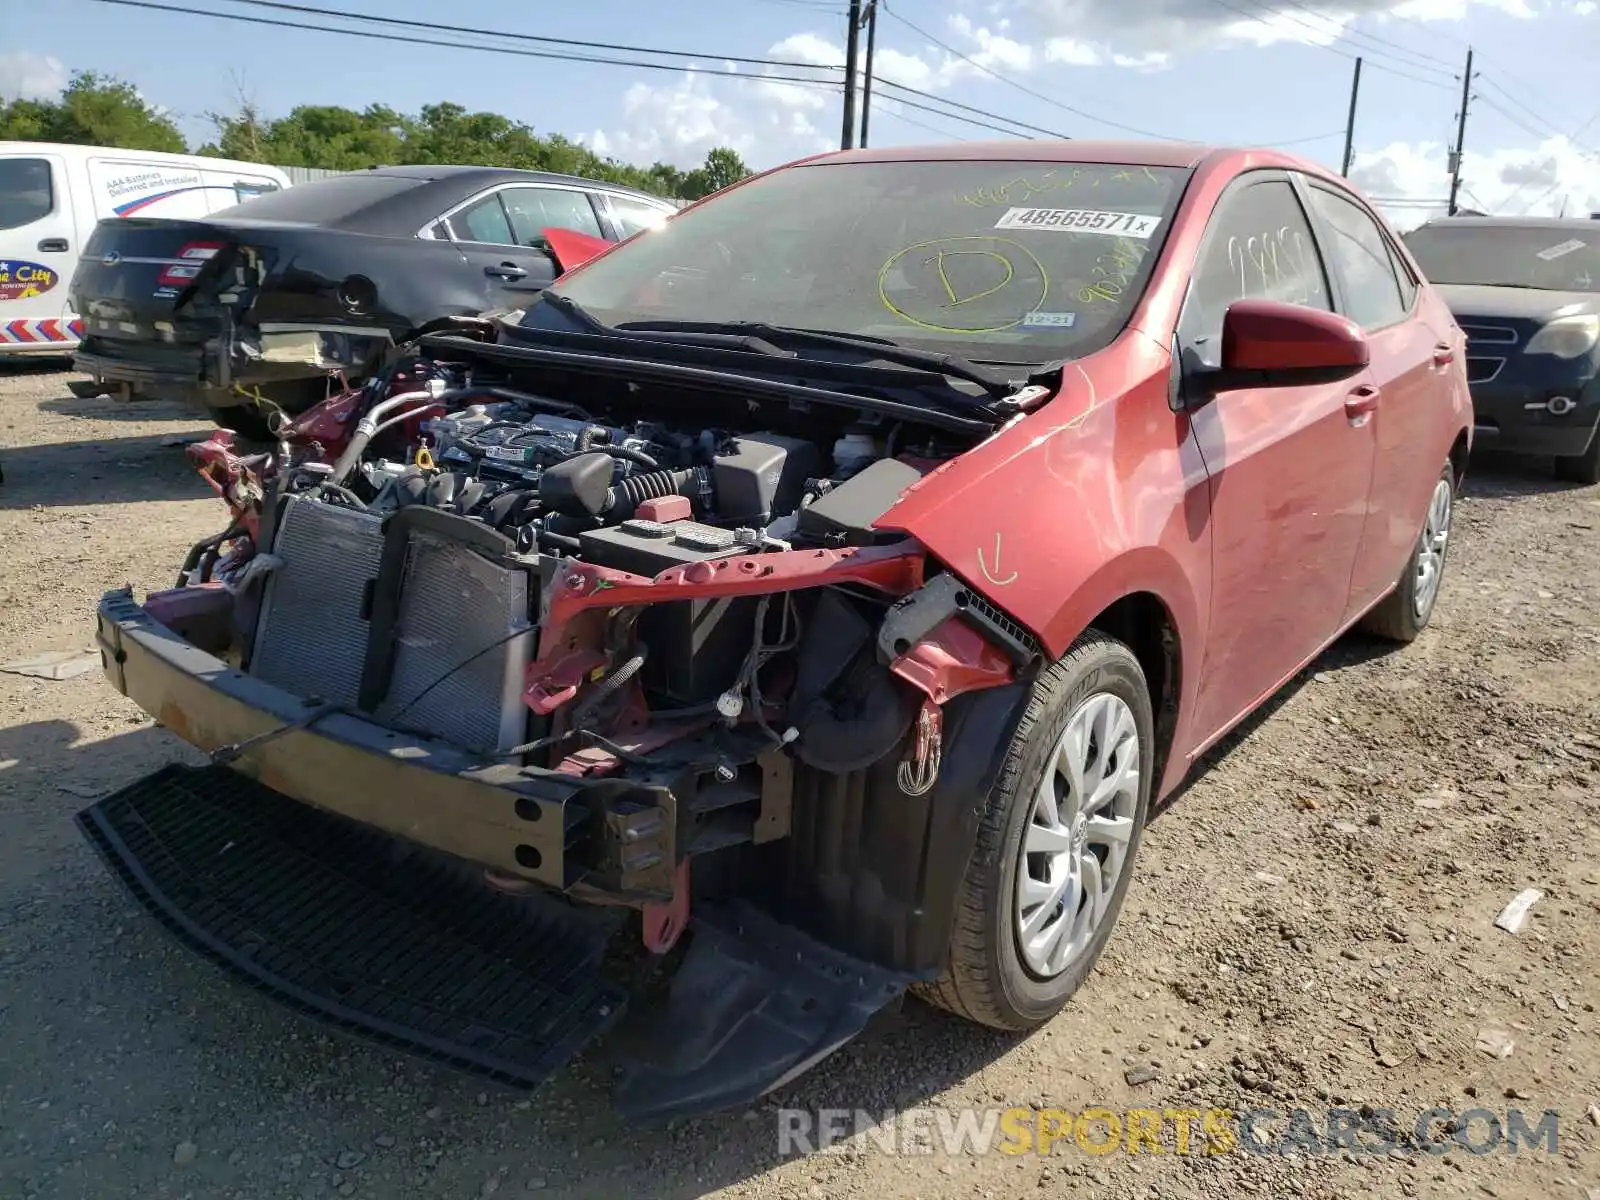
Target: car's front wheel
1056	842
1581	468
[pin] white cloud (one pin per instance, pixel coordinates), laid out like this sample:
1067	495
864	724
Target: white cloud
30	76
1526	181
1136	28
679	122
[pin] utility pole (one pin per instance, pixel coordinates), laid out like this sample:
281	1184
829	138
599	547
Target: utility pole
1461	135
1350	122
866	88
852	43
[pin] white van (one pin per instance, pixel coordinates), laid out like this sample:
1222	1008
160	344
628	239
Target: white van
51	197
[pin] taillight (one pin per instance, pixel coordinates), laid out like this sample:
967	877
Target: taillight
195	256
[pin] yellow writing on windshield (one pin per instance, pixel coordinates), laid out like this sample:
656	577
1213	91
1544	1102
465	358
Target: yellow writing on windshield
963	284
1112	272
1025	187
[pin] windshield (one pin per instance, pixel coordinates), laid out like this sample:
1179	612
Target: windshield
1552	259
995	261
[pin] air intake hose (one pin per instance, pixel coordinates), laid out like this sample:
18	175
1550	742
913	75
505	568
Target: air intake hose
693	482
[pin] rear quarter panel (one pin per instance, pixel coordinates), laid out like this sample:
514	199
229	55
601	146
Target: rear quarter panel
417	279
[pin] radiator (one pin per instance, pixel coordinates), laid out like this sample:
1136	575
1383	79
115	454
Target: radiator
463	639
311	637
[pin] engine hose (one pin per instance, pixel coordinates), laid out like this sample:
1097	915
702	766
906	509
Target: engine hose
559	541
632	455
523	399
608	687
586	444
692	482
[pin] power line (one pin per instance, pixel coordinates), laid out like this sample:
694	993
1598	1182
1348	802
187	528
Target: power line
742	76
1385	45
966	58
433	42
1331	49
923	125
1550	191
964	107
397	22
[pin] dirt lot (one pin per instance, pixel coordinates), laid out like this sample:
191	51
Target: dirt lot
1311	923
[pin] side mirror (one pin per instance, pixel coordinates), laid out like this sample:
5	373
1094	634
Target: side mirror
572	249
1266	343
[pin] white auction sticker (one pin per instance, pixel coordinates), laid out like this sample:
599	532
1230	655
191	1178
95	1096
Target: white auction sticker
1565	248
1079	220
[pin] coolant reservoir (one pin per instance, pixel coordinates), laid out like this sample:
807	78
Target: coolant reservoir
853	451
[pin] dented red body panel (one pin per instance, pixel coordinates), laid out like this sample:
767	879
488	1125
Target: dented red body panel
1105	491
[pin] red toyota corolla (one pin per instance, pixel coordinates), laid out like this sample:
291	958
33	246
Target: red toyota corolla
837	573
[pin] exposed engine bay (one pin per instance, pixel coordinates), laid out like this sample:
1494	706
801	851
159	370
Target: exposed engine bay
566	651
415	550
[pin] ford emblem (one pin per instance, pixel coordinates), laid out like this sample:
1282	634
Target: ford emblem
111	259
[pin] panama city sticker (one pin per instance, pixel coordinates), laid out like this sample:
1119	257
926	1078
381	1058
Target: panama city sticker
23	280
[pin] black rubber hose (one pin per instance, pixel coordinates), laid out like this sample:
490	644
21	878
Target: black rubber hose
629	453
559	541
633	491
608	687
520	398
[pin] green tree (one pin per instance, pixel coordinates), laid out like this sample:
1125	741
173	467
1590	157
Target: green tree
93	110
722	168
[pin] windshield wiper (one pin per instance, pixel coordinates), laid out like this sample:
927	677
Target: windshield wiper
877	348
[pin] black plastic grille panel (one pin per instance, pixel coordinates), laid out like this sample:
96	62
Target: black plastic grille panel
343	922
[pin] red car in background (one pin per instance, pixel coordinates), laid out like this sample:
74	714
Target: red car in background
839	572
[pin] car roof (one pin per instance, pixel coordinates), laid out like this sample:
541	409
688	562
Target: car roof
477	176
1128	152
1587	223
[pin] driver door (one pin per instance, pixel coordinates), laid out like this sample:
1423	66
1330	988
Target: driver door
1290	467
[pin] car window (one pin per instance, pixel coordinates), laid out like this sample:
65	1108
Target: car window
484	221
1258	246
1408	285
634	216
1360	253
534	210
25	192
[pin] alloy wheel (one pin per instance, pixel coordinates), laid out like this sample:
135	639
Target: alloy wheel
1431	550
1075	845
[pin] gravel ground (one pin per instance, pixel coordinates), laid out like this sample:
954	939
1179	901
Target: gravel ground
1311	922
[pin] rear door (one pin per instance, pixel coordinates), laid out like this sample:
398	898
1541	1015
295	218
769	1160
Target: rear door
1290	467
38	250
513	269
1375	289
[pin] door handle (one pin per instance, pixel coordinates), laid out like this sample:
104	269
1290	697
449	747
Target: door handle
53	246
506	271
1361	403
1443	355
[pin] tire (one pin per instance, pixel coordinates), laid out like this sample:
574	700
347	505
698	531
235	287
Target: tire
1581	468
989	978
1404	613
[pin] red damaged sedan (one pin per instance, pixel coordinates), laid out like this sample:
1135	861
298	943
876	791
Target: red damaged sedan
816	592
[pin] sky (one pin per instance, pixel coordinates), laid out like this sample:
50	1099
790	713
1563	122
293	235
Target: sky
1238	72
